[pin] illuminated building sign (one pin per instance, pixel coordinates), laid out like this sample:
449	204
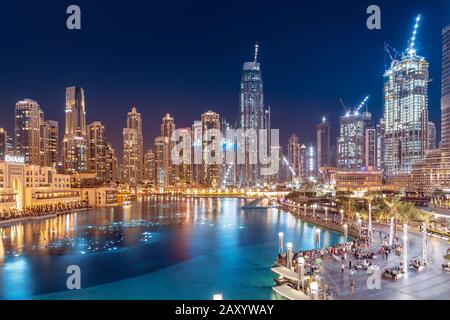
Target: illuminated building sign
14	159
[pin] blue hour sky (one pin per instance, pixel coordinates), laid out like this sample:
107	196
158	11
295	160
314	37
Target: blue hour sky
185	57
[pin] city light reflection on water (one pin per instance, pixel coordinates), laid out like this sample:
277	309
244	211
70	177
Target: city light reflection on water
184	247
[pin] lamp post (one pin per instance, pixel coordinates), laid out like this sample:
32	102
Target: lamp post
424	242
314	206
342	215
405	248
289	255
345	232
391	232
359	226
326	213
304	209
301	272
280	242
370	220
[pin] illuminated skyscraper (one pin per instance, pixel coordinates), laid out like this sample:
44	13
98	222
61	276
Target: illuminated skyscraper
211	169
293	169
197	153
432	142
149	167
3	143
50	143
133	157
352	140
323	143
445	95
405	111
112	165
74	142
252	115
28	122
97	150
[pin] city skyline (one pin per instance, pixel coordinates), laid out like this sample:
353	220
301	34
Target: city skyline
281	93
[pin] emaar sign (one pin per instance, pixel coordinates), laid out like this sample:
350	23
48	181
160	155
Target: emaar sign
14	159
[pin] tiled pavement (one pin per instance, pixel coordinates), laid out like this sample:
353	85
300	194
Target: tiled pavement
432	283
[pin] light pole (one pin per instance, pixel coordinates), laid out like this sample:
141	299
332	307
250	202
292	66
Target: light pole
391	231
280	242
405	248
301	272
424	242
370	220
314	206
345	232
289	255
359	226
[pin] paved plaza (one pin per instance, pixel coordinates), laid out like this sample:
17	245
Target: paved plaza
432	283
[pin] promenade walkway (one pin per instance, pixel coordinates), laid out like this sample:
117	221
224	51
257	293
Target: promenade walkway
432	283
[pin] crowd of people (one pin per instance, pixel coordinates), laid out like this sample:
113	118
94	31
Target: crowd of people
40	210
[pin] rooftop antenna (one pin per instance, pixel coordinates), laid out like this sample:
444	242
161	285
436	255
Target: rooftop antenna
412	41
256	51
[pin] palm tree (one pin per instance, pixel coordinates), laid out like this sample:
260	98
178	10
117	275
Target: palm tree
370	197
393	205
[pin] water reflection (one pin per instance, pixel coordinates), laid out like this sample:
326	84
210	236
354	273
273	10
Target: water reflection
113	244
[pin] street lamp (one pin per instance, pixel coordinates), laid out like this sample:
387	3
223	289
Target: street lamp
301	272
289	255
359	226
405	248
280	242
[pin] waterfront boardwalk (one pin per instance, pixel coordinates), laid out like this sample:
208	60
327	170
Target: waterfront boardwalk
431	283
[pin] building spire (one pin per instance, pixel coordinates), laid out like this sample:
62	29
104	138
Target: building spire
412	41
256	51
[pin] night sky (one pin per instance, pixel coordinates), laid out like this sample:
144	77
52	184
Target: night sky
185	57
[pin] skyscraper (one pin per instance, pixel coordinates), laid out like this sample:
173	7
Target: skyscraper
133	157
445	94
149	167
28	122
352	139
50	143
3	143
432	142
97	150
211	169
74	142
197	156
163	168
252	115
323	143
405	111
112	165
294	166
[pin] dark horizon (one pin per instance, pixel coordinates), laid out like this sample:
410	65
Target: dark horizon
186	58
